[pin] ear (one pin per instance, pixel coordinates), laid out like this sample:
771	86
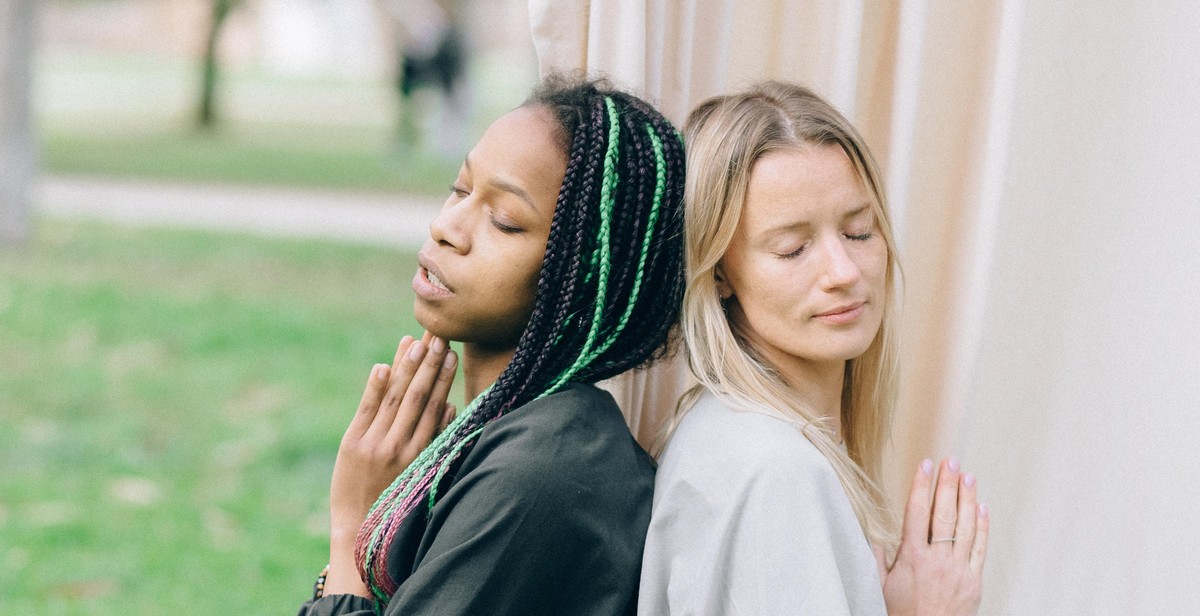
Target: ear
724	290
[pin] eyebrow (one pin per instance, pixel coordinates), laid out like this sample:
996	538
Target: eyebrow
802	224
507	186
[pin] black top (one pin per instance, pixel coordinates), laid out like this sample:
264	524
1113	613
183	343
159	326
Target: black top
547	514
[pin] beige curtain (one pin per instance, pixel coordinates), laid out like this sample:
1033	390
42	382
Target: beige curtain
1041	160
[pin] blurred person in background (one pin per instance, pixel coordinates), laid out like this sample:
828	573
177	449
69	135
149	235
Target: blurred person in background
557	261
432	55
766	498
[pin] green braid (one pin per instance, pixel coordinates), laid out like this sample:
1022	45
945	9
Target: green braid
602	251
647	237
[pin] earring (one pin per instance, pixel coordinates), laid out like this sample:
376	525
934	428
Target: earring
723	290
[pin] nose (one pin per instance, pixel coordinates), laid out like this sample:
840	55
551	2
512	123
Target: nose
452	226
841	270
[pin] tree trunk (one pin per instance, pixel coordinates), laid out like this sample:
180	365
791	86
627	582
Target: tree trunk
18	160
208	78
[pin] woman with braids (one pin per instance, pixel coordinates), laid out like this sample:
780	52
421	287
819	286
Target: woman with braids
556	262
766	498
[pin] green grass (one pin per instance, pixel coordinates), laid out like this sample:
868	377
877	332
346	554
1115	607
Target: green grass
129	115
170	407
357	159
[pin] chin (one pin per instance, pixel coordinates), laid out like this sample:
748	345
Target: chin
845	350
859	349
433	322
467	328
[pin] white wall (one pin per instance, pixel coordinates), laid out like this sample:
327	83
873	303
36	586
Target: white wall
1083	421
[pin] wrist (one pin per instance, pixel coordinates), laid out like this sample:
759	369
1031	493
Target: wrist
319	586
346	522
343	536
343	579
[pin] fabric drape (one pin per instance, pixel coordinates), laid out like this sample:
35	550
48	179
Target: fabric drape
1040	161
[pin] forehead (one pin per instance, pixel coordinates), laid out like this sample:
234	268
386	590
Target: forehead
809	184
525	136
520	150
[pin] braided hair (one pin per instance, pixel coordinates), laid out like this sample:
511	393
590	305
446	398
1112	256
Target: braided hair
608	294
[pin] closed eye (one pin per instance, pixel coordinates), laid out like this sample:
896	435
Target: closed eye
795	253
505	227
863	237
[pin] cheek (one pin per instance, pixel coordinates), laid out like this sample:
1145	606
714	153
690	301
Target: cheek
876	263
770	289
745	273
525	267
531	266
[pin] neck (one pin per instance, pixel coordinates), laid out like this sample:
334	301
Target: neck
819	383
481	366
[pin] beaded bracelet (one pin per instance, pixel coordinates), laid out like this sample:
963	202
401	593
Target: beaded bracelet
319	587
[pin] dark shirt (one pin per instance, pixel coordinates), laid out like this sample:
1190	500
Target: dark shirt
546	515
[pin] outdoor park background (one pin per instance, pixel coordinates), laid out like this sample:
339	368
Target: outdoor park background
175	371
171	398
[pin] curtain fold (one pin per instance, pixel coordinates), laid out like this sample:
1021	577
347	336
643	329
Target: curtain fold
1040	160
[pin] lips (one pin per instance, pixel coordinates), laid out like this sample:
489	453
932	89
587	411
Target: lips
434	280
429	282
843	314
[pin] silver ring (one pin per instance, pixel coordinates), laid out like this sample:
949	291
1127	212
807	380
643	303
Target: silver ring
944	539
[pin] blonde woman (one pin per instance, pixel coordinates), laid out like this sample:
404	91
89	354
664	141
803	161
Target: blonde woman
766	499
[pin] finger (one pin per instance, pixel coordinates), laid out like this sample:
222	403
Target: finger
403	372
945	504
880	561
964	530
435	404
420	391
979	545
401	349
916	512
368	406
448	416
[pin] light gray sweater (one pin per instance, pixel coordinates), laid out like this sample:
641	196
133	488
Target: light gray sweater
749	519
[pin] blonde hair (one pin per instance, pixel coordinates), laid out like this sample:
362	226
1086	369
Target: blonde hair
725	136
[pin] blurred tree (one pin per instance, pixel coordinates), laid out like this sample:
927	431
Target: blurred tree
208	81
17	160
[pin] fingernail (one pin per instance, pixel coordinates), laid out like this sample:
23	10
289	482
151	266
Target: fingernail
969	480
451	360
437	345
983	510
416	351
379	372
953	464
926	466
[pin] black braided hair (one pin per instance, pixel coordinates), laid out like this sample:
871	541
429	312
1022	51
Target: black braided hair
609	290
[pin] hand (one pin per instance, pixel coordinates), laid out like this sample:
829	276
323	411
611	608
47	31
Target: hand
401	410
933	575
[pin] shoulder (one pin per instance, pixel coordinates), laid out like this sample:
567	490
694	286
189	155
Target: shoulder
578	413
576	402
724	445
749	517
572	434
